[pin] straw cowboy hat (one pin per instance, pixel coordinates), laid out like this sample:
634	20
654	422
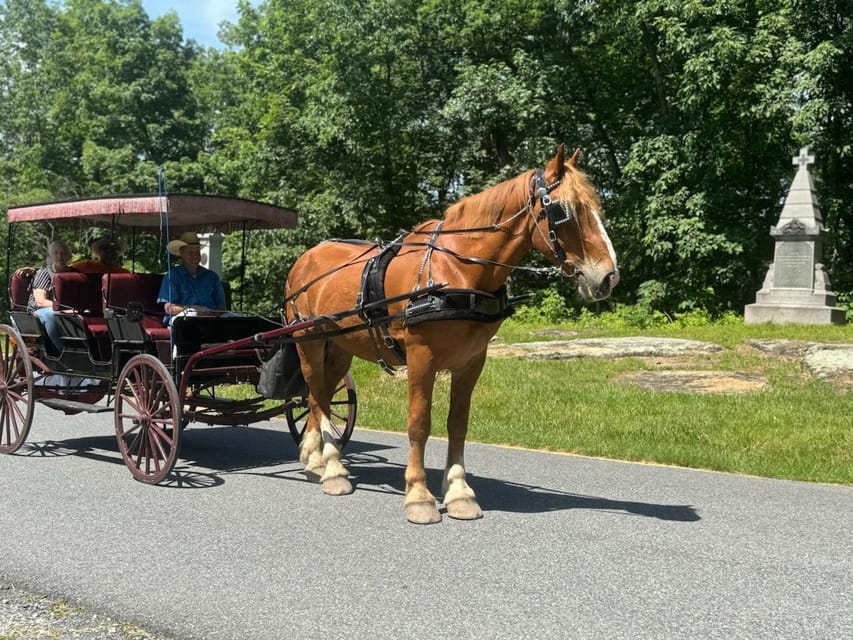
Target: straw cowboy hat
188	238
118	245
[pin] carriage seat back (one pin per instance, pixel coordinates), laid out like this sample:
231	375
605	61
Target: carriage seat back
85	329
20	285
78	291
121	289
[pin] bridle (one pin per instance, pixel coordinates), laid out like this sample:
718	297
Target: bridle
556	212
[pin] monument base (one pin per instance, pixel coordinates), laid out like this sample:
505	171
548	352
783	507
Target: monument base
793	314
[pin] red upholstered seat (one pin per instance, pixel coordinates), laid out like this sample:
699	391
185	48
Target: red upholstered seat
80	292
120	289
156	329
19	288
123	289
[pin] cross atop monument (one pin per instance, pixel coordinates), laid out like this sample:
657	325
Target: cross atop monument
804	159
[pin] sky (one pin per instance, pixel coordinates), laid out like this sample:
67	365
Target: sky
200	19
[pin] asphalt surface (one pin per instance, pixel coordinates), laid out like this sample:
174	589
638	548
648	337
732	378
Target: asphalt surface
241	545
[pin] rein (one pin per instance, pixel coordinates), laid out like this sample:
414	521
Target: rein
556	212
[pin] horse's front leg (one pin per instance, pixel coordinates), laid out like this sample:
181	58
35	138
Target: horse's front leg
420	504
459	498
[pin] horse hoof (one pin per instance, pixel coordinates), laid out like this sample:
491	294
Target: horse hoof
337	486
422	513
464	509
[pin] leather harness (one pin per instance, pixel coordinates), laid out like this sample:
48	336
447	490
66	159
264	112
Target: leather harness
437	302
443	304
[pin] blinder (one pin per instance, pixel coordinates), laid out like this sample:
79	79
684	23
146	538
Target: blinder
556	212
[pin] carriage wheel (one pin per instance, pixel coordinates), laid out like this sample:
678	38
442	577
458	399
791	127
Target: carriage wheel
16	390
148	418
343	408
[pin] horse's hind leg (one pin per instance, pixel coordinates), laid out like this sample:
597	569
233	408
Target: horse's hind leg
323	366
459	498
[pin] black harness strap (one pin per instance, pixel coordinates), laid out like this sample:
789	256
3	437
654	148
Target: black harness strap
376	316
460	304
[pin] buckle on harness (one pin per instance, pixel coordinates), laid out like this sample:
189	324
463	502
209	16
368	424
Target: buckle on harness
386	367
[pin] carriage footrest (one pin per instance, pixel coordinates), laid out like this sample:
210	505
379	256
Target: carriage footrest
59	403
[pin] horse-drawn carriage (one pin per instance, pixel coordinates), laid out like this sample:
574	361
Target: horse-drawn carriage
431	300
118	356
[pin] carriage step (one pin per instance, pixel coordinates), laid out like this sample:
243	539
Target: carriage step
58	403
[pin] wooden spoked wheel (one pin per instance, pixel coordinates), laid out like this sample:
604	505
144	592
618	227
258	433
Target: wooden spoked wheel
16	390
343	408
148	418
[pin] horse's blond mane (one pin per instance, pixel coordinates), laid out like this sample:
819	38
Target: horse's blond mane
581	192
486	207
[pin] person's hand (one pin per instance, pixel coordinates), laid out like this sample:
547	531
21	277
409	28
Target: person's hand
25	271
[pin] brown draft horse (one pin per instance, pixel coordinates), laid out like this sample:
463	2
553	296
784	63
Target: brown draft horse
555	211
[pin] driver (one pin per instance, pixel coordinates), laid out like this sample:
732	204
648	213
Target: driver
189	288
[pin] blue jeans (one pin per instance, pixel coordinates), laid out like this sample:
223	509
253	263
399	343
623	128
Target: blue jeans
51	326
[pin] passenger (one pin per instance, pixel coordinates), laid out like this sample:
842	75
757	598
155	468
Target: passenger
107	255
41	297
195	290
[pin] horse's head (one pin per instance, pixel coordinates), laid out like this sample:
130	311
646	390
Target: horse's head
569	229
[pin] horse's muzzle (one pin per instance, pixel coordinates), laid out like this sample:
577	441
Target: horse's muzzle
592	288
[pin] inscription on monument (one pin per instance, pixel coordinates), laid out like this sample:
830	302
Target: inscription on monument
793	265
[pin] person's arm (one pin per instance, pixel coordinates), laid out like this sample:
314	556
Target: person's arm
173	308
41	298
170	295
219	296
42	282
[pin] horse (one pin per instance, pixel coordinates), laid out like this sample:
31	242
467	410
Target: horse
474	249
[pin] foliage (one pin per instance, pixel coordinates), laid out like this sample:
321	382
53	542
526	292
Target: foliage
549	307
370	116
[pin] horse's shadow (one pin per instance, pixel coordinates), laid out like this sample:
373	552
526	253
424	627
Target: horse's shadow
209	456
372	472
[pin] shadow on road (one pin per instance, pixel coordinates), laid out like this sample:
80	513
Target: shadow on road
209	455
374	473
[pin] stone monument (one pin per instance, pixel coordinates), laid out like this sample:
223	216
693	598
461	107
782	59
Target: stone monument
796	288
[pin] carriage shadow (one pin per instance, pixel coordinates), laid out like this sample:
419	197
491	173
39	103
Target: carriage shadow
206	455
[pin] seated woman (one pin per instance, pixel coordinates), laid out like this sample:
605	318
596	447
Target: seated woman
41	297
107	254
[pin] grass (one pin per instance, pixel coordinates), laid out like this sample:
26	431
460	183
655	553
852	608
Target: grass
799	428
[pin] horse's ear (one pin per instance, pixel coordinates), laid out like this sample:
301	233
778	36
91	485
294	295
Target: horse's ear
576	156
557	165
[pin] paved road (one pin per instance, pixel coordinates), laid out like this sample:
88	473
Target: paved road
241	546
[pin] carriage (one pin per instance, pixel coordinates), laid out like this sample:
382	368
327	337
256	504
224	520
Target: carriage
118	357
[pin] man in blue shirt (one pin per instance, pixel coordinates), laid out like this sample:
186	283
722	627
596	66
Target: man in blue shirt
194	289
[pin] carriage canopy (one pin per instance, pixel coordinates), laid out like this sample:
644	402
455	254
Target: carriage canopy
181	212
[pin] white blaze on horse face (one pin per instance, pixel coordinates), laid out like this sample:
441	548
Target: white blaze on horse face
604	235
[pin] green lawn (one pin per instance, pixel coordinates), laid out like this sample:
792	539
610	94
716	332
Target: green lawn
798	428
